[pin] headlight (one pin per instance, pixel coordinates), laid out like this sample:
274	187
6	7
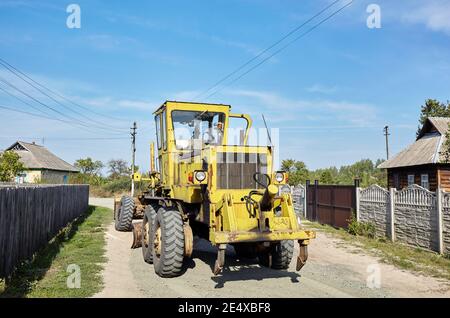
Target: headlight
200	176
279	177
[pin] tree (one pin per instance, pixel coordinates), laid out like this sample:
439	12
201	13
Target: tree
118	168
89	167
445	152
298	173
10	166
433	108
326	177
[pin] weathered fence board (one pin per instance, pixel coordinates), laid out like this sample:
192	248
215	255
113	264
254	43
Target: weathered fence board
31	215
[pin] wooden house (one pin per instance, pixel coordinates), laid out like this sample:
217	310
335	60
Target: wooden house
422	163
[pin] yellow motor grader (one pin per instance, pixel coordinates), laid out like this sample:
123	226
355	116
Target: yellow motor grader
208	182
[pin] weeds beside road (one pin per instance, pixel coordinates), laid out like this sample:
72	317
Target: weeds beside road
81	243
402	256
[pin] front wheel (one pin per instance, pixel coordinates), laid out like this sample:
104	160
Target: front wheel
278	256
124	214
147	224
168	240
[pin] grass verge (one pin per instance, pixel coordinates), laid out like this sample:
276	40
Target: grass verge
402	256
82	243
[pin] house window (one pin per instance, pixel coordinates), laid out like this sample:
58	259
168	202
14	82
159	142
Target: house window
424	181
410	179
397	181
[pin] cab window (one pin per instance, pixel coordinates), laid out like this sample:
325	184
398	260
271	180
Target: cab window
193	129
158	130
163	130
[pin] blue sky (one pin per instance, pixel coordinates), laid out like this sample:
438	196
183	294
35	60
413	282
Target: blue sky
330	93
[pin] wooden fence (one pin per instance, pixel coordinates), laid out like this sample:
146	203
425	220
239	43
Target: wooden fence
31	215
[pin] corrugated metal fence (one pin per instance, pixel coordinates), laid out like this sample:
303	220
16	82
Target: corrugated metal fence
31	215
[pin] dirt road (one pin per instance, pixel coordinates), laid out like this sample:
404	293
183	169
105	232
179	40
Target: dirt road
332	271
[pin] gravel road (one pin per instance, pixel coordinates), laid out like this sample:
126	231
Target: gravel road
333	270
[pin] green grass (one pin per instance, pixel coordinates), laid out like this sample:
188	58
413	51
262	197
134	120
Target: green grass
81	243
402	256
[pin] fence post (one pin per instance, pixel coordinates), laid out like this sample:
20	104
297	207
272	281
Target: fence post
305	202
358	194
439	220
316	192
308	182
392	209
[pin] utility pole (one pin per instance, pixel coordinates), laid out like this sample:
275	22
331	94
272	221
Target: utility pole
133	155
387	134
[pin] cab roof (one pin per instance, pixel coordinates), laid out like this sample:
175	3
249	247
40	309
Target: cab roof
186	103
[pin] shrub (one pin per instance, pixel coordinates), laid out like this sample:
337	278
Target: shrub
361	228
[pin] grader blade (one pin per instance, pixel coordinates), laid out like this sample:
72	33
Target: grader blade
302	257
137	235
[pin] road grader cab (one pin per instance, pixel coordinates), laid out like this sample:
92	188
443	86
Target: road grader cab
208	182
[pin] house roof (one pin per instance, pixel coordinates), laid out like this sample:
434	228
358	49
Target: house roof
38	157
426	149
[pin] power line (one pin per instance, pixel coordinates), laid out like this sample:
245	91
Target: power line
11	68
267	49
34	114
59	103
281	49
75	120
56	119
23	101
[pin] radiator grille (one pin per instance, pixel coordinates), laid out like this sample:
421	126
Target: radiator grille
235	170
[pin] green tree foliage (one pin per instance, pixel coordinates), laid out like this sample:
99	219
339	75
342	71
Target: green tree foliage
118	168
89	167
445	152
298	173
326	177
366	170
433	108
10	166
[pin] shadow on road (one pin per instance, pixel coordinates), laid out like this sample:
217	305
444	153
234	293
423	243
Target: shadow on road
235	269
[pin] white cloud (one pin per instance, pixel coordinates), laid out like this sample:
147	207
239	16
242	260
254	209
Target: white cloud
322	89
434	14
288	109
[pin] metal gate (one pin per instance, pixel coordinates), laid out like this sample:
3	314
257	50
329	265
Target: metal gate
330	204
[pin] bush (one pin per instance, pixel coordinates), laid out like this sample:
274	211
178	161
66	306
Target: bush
361	228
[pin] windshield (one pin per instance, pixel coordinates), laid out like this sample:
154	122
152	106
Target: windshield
193	129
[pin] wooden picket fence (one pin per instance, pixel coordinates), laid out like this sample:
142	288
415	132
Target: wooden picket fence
32	215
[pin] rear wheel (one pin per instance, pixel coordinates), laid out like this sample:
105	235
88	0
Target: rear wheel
147	224
168	240
281	254
124	214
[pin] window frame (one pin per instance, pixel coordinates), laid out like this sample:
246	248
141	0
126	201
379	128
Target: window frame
158	130
413	179
427	182
190	111
163	129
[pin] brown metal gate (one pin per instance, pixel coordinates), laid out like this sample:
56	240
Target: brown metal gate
330	204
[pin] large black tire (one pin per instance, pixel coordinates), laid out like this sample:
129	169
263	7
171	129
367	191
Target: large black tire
149	218
281	253
169	263
124	216
245	250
